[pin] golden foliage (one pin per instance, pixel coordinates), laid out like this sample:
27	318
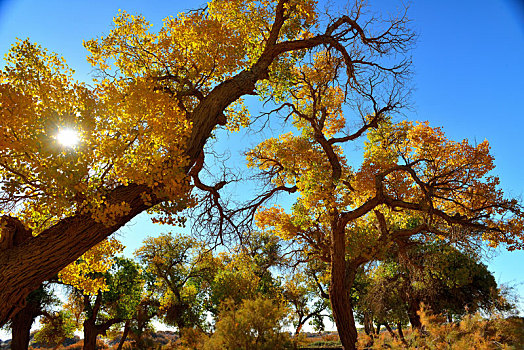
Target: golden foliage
86	274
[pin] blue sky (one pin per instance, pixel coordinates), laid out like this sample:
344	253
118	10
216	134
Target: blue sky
468	64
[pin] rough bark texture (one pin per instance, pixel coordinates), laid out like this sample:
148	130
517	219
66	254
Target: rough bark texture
24	267
339	296
90	335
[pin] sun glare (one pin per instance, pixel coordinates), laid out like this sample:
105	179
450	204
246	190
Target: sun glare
68	137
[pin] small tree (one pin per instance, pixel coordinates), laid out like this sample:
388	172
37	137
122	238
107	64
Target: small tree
117	303
179	265
56	328
253	325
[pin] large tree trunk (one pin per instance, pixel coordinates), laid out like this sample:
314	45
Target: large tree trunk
24	267
342	276
90	328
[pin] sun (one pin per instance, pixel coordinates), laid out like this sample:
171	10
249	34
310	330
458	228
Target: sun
68	137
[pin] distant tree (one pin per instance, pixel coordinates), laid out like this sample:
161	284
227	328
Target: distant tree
116	304
138	325
55	328
246	272
179	264
253	325
379	301
446	280
305	291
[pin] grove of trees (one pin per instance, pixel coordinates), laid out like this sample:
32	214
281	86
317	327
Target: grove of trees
373	240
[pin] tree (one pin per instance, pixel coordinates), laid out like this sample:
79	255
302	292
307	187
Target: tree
413	181
140	324
246	272
56	328
378	299
144	127
442	277
116	304
302	295
254	324
179	265
137	325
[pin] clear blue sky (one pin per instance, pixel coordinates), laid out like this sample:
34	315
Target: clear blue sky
468	64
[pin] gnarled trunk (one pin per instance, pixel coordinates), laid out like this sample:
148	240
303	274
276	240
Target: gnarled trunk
90	334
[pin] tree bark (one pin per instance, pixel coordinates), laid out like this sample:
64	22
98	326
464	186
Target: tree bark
414	317
93	330
90	328
21	322
127	326
390	330
23	268
21	329
342	276
90	334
